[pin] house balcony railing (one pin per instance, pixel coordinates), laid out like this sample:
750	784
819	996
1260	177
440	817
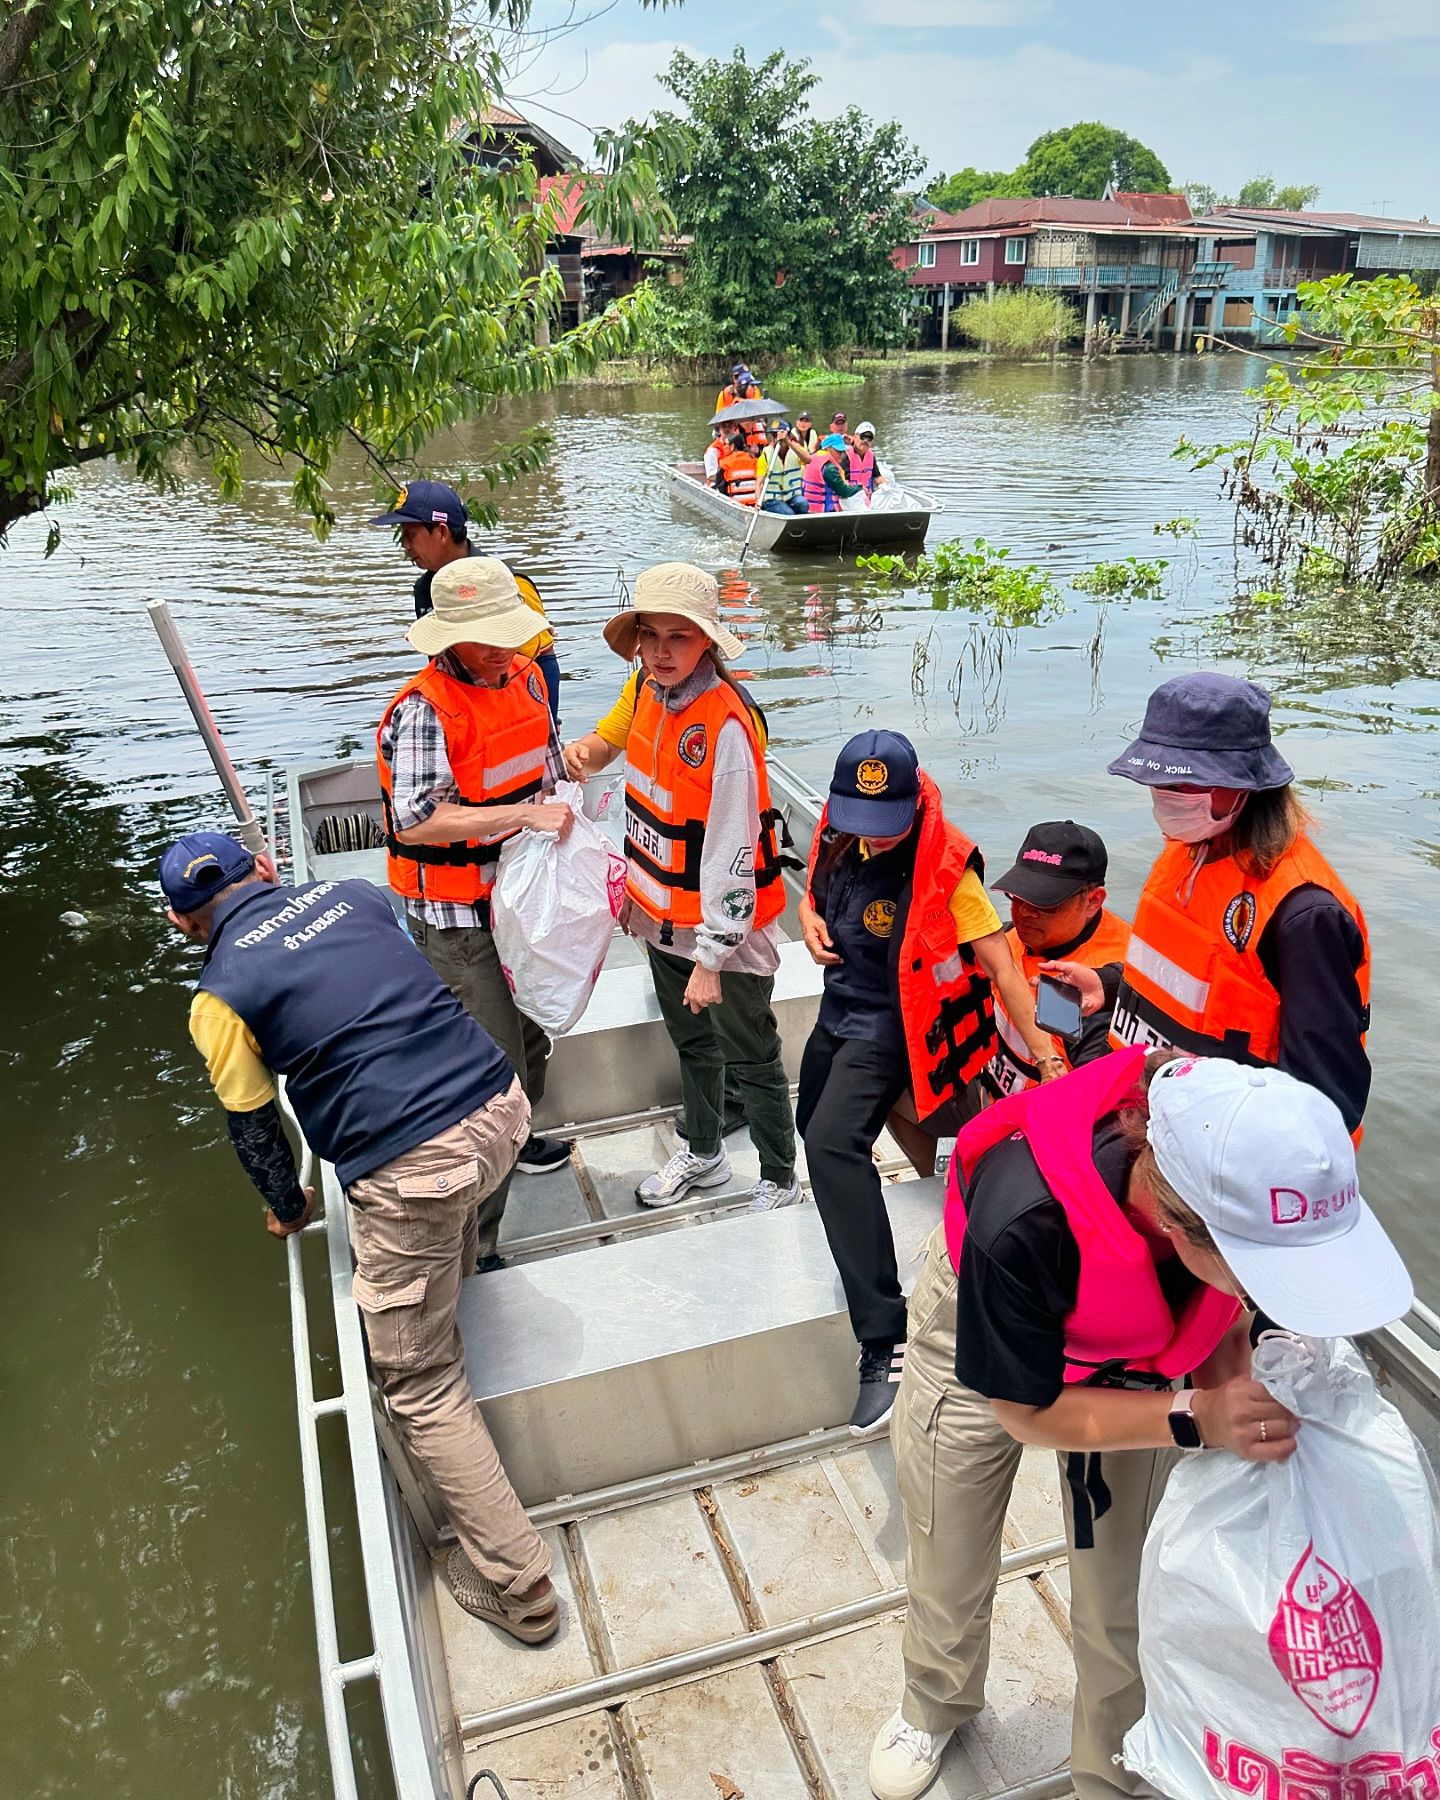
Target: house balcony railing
1284	279
1085	276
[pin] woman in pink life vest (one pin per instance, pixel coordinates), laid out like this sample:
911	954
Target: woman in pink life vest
1105	1237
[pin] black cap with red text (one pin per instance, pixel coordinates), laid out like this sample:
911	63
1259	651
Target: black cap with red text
1057	860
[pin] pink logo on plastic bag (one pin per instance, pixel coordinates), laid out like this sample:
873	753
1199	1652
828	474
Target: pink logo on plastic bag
1325	1642
615	874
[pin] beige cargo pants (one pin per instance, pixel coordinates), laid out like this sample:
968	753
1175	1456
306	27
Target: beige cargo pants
955	1466
414	1227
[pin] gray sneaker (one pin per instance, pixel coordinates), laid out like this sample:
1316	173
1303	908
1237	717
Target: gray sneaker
685	1170
769	1196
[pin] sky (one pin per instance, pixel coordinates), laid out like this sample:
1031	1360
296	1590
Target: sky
1339	92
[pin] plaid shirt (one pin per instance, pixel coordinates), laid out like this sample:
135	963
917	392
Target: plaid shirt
414	746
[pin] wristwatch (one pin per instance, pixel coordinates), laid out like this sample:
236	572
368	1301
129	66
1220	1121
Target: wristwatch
1183	1428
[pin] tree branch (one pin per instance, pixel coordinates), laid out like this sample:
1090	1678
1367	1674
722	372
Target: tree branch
17	39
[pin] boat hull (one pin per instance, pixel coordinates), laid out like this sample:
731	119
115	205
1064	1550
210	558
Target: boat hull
799	531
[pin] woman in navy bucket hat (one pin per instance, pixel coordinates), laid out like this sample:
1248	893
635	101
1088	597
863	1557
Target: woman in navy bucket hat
1246	943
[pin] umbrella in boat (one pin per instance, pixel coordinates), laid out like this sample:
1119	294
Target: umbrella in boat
748	409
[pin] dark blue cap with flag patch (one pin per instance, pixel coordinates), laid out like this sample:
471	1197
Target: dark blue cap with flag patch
194	870
425	503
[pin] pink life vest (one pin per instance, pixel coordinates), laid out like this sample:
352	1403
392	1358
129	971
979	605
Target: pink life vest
1121	1316
862	467
818	498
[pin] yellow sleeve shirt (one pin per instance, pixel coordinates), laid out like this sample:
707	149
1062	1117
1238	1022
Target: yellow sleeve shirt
972	909
530	594
615	726
238	1073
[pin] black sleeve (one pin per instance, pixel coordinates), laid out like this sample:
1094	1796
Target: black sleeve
421	590
1094	1038
1310	952
266	1157
1013	1297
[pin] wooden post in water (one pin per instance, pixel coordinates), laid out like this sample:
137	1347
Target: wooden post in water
248	828
945	318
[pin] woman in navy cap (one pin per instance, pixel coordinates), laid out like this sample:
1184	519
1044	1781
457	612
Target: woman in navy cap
897	915
1246	942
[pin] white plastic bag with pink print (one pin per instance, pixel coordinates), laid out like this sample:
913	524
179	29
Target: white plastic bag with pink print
553	914
1290	1612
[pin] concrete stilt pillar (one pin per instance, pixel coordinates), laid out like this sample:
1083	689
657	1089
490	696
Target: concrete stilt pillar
945	318
1125	312
1181	306
1090	323
1217	313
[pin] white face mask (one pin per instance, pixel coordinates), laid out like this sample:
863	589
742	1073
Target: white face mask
1187	817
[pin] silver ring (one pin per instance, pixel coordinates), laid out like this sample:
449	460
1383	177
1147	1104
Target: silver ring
1264	1433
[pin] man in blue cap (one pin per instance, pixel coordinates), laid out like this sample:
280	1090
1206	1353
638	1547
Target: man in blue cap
429	519
420	1114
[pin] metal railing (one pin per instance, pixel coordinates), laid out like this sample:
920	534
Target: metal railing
1093	275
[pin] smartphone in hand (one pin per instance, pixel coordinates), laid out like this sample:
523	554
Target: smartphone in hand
1057	1007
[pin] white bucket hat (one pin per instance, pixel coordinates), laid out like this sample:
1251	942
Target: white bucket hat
1266	1162
476	601
672	587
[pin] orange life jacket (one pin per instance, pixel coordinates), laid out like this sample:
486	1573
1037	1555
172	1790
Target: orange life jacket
1193	979
737	472
669	763
946	1007
495	740
1010	1068
1121	1318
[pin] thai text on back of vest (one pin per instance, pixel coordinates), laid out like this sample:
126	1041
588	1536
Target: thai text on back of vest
292	910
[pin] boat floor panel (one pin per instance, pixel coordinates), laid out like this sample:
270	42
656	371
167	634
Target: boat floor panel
573	1761
720	1736
657	1581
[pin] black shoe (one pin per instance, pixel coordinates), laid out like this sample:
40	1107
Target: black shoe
488	1264
542	1156
881	1366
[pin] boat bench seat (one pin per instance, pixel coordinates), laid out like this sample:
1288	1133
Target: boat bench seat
650	1354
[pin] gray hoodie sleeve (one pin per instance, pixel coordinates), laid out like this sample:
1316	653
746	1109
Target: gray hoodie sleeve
727	861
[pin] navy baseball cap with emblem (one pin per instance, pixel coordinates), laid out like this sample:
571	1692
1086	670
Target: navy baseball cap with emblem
1205	730
194	870
876	785
425	503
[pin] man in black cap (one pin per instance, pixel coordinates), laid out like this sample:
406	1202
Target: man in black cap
1056	891
419	1112
429	520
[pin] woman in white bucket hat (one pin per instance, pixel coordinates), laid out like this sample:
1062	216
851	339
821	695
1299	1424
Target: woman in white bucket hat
704	881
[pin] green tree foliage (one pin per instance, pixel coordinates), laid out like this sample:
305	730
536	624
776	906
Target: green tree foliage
953	193
228	224
1261	191
1083	159
794	219
1017	321
1339	481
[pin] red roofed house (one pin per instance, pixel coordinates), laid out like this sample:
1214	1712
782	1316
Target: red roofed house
500	139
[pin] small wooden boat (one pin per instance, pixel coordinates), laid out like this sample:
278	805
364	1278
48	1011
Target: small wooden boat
802	531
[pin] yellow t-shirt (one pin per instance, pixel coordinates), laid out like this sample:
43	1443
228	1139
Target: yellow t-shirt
615	726
238	1072
530	594
970	906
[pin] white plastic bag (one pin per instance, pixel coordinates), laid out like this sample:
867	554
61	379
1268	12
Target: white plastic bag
1290	1612
553	913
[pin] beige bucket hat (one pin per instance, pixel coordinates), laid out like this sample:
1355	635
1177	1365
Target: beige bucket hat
476	601
672	587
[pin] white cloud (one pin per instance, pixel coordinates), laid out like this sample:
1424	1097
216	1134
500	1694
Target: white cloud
1377	22
951	15
575	88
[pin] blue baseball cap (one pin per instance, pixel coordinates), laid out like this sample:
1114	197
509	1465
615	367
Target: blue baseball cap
425	503
833	442
193	871
876	785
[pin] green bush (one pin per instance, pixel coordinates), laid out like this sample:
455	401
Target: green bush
1132	576
813	375
1017	322
981	578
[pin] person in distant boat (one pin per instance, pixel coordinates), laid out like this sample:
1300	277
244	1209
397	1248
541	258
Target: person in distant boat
1246	942
704	882
804	433
1102	1234
864	470
896	914
736	475
467	754
1056	891
421	1115
428	518
779	474
826	479
743	386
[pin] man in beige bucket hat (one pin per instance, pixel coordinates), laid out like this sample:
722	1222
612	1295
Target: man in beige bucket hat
467	751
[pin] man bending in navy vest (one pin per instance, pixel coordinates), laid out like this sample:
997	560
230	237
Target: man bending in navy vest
395	1084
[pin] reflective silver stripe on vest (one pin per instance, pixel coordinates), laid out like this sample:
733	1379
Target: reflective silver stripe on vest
531	762
1187	990
640	883
659	849
949	970
1010	1031
648	789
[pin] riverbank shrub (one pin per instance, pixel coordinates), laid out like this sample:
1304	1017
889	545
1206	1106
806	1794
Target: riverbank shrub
1131	578
811	376
1016	322
980	577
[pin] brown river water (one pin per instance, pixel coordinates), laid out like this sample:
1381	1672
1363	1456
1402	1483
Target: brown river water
155	1625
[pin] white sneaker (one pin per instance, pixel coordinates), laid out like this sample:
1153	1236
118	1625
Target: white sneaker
768	1196
904	1760
685	1170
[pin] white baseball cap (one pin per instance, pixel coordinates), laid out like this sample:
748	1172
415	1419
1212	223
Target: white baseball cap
1266	1162
864	429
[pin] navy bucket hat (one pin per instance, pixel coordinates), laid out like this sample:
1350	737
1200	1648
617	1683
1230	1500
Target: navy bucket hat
1206	731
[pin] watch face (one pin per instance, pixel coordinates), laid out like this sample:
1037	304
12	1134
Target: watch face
1185	1431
